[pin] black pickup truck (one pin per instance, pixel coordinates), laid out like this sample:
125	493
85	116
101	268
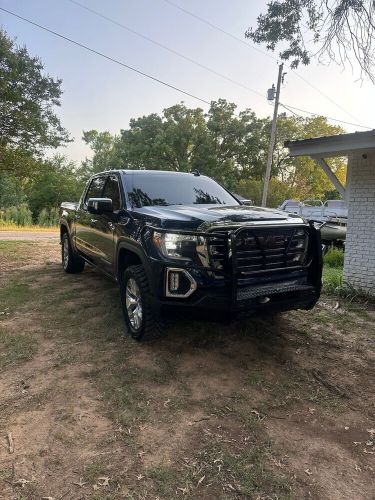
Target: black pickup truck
181	241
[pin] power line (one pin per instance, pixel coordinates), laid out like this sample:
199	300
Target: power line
165	47
142	73
238	39
222	30
317	114
109	58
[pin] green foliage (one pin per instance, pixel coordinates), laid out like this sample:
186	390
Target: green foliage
334	284
228	147
20	215
28	98
218	143
104	157
343	31
303	175
334	257
278	191
55	181
37	197
11	190
48	217
332	279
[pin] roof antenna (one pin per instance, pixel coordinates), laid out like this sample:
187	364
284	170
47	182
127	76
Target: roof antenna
196	173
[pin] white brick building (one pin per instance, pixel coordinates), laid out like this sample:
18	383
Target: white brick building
359	193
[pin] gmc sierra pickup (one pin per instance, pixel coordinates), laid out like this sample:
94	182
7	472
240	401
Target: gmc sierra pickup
182	241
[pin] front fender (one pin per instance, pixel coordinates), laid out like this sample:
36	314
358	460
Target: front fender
137	250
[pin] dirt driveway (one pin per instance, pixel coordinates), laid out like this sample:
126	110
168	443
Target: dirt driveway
28	235
268	408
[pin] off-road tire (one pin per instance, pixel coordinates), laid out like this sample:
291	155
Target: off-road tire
151	325
71	262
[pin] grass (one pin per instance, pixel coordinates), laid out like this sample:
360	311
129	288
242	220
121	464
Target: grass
15	251
335	284
333	262
16	348
14	294
245	473
253	476
334	257
149	391
333	279
11	226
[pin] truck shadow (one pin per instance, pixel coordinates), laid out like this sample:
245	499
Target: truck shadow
258	336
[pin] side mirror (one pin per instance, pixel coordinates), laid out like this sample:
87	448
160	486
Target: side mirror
99	205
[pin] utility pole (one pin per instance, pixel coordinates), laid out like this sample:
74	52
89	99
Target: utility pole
272	138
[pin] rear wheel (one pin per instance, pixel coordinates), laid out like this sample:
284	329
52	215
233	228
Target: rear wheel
140	319
71	262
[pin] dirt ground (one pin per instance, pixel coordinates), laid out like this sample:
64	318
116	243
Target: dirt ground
28	235
267	408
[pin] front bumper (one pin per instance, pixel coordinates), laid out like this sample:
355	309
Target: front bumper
248	299
237	292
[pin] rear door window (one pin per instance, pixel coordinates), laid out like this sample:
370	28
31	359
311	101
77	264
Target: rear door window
112	191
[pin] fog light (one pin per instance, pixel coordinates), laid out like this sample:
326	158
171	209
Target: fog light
174	281
179	283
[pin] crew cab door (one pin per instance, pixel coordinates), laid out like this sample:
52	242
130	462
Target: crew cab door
104	226
86	223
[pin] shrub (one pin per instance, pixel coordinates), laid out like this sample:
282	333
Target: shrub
334	257
20	215
48	217
7	226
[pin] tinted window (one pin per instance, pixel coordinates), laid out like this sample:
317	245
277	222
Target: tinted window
95	189
112	191
175	189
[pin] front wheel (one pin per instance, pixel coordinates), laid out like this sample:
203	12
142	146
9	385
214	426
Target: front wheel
140	319
71	262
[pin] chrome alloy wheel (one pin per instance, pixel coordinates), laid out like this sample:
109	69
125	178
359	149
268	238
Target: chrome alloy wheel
133	302
65	252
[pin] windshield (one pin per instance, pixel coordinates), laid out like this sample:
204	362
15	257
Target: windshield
146	189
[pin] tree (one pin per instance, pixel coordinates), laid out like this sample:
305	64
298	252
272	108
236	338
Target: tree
342	30
218	143
232	148
104	157
299	177
55	181
28	123
167	142
11	190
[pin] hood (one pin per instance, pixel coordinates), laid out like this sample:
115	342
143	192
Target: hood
204	216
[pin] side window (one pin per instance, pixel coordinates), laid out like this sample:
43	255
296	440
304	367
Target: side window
95	188
112	191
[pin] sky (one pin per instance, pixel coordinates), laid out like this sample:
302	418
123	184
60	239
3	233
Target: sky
101	95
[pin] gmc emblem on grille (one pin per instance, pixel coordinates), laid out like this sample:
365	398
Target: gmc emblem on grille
271	241
264	242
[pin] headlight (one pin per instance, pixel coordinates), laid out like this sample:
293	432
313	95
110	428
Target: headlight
178	246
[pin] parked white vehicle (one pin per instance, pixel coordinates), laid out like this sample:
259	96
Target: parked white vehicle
316	209
333	215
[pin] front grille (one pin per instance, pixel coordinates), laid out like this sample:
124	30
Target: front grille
253	250
217	249
268	249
